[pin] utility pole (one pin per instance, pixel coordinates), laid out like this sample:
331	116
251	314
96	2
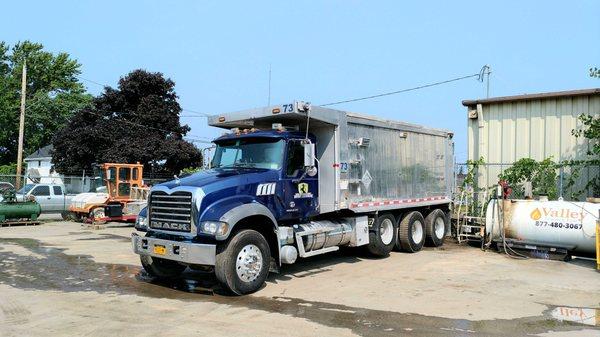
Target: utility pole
484	73
21	125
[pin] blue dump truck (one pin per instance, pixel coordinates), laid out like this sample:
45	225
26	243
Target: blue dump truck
293	181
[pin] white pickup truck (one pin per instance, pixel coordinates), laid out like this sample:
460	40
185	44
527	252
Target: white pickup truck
51	197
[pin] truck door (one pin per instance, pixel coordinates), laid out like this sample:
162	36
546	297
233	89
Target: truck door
300	191
58	199
43	197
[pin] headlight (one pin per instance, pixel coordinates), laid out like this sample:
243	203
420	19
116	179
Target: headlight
141	223
216	228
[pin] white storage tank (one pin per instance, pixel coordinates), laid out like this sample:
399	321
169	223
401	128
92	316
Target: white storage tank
565	224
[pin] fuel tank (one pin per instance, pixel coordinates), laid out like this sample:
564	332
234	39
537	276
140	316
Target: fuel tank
565	224
325	234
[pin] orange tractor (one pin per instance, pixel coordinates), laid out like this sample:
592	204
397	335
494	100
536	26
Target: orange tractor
120	198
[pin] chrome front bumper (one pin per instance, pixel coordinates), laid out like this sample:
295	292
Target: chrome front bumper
185	252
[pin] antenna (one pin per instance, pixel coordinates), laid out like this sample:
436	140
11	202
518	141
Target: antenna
269	101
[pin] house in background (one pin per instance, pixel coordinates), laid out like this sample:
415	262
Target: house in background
39	170
39	167
502	130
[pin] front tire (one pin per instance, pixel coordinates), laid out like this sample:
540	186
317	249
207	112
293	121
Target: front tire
97	215
382	236
243	262
161	268
411	232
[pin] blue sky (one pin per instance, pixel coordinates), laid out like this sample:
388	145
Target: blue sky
219	52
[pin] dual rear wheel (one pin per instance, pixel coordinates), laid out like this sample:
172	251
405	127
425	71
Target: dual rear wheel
409	234
414	231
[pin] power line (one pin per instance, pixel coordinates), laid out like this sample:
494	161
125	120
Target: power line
199	139
94	82
479	76
192	116
200	114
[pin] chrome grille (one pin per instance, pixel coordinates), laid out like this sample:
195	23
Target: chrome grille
170	212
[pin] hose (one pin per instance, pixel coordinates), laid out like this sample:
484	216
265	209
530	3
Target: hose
516	255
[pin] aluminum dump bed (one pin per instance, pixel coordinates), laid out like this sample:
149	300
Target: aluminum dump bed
365	163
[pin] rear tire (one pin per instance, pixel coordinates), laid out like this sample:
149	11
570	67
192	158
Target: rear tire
382	237
435	227
243	262
411	232
161	268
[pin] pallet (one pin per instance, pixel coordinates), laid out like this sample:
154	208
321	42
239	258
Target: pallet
95	226
20	223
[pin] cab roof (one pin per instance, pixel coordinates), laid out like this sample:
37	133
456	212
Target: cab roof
275	134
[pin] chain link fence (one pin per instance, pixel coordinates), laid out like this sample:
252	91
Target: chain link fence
573	181
72	184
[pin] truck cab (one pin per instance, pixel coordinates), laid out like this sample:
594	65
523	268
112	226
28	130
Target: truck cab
51	197
282	185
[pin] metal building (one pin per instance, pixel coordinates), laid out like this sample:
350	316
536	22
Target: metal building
503	130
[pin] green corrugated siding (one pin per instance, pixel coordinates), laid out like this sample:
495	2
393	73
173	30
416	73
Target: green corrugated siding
508	131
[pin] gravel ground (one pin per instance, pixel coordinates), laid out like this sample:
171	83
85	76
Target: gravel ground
60	279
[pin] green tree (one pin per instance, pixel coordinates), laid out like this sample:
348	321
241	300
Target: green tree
53	94
542	176
137	122
590	130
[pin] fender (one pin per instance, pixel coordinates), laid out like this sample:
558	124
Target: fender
234	215
234	209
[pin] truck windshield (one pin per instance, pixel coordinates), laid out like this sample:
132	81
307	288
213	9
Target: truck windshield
264	153
26	189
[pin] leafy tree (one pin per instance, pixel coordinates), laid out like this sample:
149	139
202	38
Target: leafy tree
8	169
190	170
590	130
137	122
53	94
542	176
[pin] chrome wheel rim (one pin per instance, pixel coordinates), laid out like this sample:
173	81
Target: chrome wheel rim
439	227
386	231
417	231
248	263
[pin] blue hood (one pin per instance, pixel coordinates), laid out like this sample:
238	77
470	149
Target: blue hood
215	179
226	188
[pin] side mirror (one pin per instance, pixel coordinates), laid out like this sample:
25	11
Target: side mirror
310	160
309	155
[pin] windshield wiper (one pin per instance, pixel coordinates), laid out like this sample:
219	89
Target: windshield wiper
238	165
246	165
